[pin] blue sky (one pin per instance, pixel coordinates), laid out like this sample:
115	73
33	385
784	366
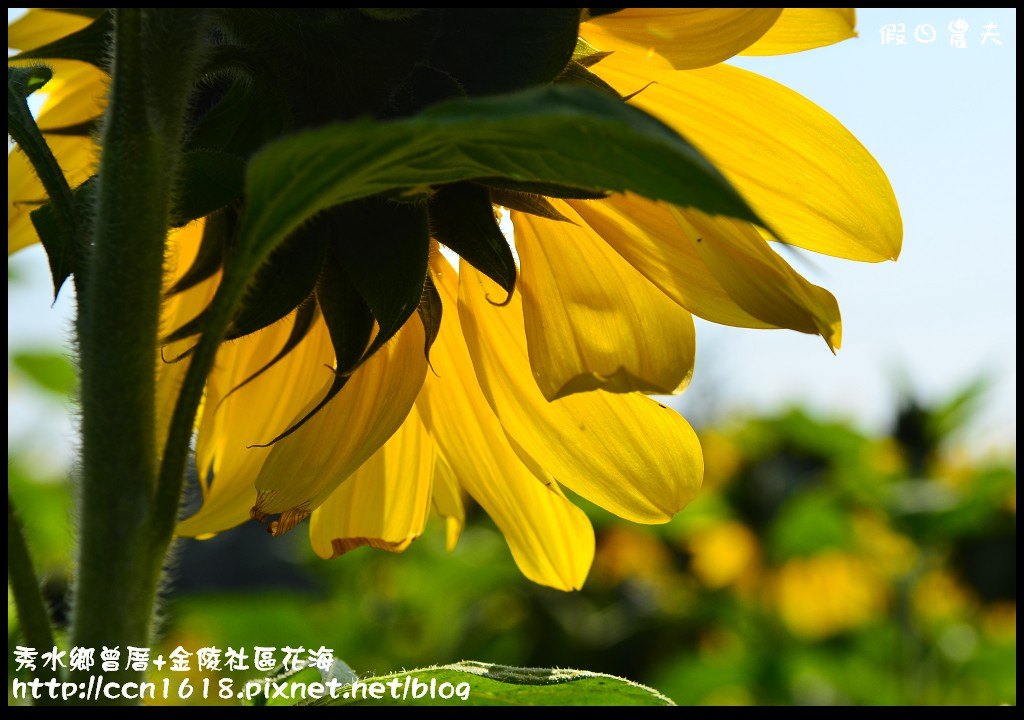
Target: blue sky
941	122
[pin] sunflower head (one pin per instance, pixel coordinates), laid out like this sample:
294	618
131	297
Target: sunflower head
325	157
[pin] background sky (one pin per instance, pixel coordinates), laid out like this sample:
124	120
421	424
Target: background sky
941	121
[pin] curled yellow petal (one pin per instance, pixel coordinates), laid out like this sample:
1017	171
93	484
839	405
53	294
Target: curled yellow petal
385	502
679	37
803	173
624	452
592	320
306	466
799	29
551	540
648	237
447	501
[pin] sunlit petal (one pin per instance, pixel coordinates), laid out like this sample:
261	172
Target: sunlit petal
447	500
799	29
801	171
551	540
305	467
385	502
232	422
679	37
626	453
602	325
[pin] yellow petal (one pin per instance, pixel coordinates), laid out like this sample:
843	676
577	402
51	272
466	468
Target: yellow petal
648	237
305	467
684	37
447	501
626	453
758	279
231	422
592	320
385	502
39	27
551	540
175	311
714	266
800	170
799	29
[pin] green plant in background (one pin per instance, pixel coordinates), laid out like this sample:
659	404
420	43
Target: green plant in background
255	258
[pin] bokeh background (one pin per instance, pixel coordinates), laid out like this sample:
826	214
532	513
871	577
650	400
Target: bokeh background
855	541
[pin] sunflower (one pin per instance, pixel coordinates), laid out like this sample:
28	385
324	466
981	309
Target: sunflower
363	399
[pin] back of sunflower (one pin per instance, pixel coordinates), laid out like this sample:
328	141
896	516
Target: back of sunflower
252	203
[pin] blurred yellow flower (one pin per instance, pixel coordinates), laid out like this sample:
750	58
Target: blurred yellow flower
542	392
826	594
724	554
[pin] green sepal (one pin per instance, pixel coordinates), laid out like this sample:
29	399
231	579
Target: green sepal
586	54
349	323
383	248
245	116
91	44
462	217
499	50
430	312
63	253
533	187
422	87
278	287
218	233
209	181
526	202
577	74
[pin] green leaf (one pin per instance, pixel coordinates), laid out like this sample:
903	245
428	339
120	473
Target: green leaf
91	44
50	371
489	684
430	311
569	136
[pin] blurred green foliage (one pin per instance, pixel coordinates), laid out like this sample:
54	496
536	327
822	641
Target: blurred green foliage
819	566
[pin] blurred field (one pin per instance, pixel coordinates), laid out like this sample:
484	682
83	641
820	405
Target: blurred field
819	566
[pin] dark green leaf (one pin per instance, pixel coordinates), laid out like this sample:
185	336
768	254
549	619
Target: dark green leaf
90	44
569	136
50	371
462	217
209	181
489	684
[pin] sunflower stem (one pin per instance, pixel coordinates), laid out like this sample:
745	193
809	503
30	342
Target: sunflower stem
33	616
118	566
